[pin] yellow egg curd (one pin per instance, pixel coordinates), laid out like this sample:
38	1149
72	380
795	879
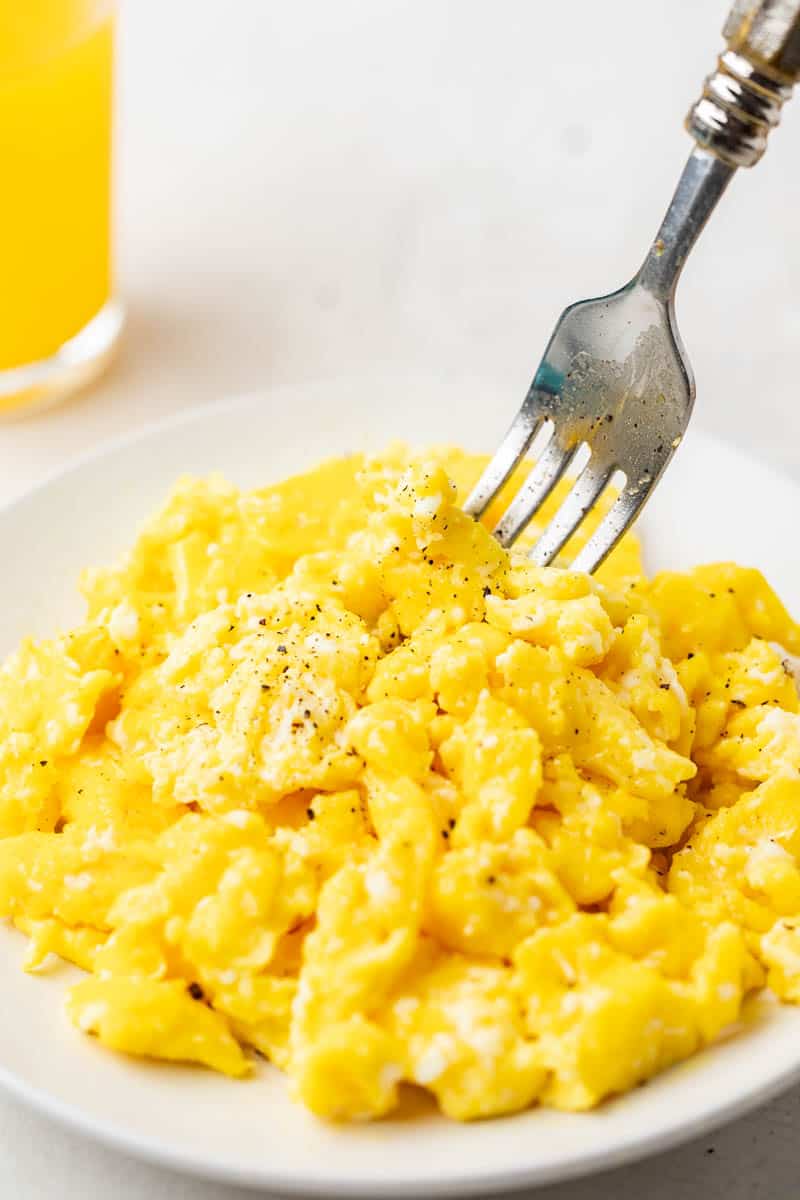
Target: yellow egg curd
328	774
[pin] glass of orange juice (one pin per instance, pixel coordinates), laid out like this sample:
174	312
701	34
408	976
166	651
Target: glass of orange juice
59	320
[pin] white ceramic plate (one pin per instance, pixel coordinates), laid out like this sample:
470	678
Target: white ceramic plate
715	503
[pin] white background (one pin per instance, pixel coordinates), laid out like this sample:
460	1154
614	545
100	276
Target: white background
315	188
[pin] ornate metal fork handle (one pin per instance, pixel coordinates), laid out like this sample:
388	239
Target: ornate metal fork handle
742	100
740	105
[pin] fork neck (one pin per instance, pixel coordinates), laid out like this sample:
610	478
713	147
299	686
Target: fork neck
700	186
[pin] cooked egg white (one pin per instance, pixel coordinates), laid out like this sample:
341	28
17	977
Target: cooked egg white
329	775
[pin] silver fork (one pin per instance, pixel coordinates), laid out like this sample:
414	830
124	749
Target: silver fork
615	378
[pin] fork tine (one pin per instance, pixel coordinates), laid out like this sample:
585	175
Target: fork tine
584	493
508	456
614	524
533	493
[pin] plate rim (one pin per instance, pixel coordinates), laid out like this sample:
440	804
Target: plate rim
637	1149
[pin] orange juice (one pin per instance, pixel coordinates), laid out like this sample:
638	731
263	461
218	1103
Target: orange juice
56	60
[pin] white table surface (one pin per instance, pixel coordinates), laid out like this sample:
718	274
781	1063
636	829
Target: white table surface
317	188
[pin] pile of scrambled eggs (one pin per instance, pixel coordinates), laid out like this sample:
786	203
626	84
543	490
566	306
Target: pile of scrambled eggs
327	773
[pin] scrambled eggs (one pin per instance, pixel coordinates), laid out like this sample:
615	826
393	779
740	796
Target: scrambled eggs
328	774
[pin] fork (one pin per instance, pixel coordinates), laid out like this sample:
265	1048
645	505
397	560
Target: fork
615	380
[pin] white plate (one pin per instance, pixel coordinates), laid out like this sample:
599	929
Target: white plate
714	503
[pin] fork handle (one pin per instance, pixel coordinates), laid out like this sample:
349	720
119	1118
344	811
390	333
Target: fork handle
702	183
742	100
741	103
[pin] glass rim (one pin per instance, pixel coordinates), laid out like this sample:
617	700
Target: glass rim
16	69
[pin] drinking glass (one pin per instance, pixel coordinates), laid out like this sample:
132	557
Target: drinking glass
59	319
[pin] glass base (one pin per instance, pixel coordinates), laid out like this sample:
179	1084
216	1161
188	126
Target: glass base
75	364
